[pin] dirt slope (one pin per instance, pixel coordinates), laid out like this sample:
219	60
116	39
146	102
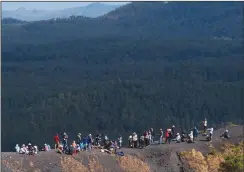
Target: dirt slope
158	157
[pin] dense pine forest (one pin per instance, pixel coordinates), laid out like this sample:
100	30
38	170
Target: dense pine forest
142	65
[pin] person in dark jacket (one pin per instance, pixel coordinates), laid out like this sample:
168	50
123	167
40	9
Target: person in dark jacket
173	131
78	138
183	136
170	137
97	140
225	135
89	141
85	143
195	133
65	140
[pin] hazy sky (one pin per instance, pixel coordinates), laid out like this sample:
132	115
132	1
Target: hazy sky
48	5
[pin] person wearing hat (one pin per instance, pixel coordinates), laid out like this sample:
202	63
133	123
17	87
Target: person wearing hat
225	134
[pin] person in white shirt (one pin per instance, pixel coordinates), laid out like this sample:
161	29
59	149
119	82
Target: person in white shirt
134	138
178	138
150	137
205	124
120	141
35	150
17	148
22	150
190	137
130	141
210	136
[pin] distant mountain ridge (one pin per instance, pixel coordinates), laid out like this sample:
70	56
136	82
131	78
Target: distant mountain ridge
91	10
13	21
140	20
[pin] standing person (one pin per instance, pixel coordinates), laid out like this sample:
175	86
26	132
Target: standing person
78	138
141	141
134	139
173	131
84	143
149	137
97	138
170	136
146	137
153	135
167	136
65	140
210	134
17	148
56	140
161	135
89	141
190	137
205	124
130	141
195	133
120	141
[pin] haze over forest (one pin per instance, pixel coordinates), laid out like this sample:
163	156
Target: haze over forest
35	11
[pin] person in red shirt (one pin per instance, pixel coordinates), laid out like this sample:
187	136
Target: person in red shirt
167	136
56	140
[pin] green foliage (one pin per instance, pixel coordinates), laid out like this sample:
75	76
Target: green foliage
234	159
213	151
230	124
234	163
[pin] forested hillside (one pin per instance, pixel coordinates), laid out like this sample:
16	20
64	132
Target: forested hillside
118	75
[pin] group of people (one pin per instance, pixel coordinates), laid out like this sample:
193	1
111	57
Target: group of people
170	135
86	143
30	149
